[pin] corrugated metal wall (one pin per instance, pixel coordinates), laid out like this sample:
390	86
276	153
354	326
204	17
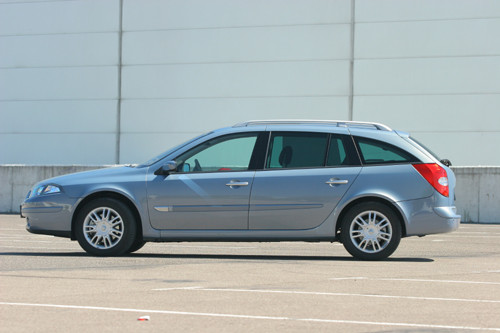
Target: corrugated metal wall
87	81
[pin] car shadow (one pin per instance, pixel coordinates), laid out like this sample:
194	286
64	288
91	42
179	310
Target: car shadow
215	256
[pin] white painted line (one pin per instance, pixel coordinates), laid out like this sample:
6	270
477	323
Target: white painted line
41	248
205	246
483	272
315	293
28	241
416	280
478	232
470	236
236	316
178	288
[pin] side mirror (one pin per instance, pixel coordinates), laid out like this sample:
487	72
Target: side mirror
167	168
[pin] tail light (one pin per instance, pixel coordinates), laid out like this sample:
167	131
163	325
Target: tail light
435	175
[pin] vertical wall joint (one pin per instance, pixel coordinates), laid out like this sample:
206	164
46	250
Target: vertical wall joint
351	61
119	101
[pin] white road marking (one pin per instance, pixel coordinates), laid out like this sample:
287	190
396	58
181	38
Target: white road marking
40	248
205	246
237	316
468	236
478	232
31	241
415	280
315	293
178	288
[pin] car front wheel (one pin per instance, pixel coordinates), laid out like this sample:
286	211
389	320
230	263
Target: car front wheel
371	231
105	227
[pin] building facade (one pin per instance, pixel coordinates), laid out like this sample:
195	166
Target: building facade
118	81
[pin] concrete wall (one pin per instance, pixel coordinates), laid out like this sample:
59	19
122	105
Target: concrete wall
477	191
118	81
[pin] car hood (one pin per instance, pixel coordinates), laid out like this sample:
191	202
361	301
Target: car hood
92	176
125	180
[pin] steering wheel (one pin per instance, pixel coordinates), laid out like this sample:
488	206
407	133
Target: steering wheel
197	166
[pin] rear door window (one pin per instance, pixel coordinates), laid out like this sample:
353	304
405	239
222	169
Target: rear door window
378	152
297	150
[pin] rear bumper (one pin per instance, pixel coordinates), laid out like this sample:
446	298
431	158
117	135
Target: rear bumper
424	219
447	212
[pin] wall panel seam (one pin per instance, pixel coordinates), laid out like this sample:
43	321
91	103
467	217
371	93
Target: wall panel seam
351	60
431	20
120	68
59	34
431	57
239	27
470	93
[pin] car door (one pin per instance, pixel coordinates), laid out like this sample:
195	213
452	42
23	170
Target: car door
210	188
305	176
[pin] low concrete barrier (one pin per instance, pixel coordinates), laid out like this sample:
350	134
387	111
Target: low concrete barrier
477	191
17	180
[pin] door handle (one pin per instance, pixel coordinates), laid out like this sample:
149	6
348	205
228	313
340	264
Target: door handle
336	181
236	183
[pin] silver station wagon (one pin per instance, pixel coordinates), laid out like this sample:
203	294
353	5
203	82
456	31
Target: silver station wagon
361	184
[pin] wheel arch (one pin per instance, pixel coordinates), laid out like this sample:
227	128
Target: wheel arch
107	194
383	201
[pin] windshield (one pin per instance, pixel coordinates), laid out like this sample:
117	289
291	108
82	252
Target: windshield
170	151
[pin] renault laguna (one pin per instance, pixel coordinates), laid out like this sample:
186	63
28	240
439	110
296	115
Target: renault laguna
358	183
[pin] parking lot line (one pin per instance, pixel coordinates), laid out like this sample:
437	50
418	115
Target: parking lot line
415	280
238	316
41	248
291	292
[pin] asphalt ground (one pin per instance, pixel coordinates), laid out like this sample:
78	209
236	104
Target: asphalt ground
440	283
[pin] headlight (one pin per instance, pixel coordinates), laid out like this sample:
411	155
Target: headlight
44	189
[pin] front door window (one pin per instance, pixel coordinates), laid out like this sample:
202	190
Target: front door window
227	153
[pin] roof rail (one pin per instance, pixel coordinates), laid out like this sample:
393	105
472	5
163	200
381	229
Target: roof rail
337	123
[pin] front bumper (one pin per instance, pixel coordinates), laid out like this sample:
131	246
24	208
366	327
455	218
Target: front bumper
49	215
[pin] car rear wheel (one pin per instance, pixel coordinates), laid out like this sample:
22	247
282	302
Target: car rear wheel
105	227
371	231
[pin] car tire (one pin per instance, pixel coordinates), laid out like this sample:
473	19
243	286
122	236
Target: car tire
136	246
370	231
105	227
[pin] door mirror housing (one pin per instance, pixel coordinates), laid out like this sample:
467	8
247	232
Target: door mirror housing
167	168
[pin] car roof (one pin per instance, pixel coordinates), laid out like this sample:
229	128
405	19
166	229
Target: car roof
312	122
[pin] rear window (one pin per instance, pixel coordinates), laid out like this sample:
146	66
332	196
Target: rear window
423	147
378	152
